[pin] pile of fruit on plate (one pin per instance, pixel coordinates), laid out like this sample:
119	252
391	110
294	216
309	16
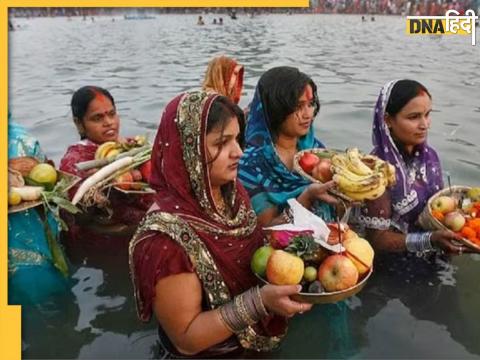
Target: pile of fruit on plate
293	257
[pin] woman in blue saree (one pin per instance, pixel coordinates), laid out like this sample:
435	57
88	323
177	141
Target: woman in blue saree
33	272
280	124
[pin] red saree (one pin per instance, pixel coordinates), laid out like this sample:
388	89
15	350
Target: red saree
185	232
98	230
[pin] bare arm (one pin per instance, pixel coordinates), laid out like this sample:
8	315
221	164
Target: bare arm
178	308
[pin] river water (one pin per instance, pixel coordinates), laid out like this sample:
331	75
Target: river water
405	311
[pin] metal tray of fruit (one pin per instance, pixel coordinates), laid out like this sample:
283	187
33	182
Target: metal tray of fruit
25	205
329	297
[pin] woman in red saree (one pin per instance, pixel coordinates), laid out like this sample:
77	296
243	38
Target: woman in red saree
190	256
224	76
97	121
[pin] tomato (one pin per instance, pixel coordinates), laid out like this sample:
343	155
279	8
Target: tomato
124	181
146	170
308	161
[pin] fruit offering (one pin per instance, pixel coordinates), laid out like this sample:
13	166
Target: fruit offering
113	148
293	257
460	213
30	182
358	176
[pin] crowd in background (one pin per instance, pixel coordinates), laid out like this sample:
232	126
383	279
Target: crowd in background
386	7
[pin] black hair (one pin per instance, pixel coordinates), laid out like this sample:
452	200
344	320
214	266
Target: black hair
402	92
81	100
280	88
221	111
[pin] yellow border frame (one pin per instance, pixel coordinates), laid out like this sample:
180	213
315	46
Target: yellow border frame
10	316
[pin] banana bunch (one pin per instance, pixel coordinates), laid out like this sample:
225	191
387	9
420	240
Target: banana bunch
362	177
107	149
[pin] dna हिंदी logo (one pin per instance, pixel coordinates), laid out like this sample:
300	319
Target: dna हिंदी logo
451	24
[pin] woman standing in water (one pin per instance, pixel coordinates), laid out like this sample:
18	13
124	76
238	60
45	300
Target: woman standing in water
97	121
224	76
400	128
201	233
280	124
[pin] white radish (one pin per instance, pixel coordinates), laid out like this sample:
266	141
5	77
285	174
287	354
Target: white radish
100	175
28	193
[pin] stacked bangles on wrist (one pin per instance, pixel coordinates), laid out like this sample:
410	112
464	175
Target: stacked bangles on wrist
244	310
419	242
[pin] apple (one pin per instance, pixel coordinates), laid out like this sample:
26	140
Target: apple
360	252
259	260
308	161
443	204
322	171
146	170
337	272
454	221
124	181
284	268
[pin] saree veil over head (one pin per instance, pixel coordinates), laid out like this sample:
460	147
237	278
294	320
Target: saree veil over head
218	75
268	181
418	175
219	246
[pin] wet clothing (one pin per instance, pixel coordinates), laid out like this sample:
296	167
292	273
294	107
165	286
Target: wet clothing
418	175
185	232
108	229
33	276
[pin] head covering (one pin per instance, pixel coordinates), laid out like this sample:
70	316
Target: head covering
218	75
419	175
268	181
219	245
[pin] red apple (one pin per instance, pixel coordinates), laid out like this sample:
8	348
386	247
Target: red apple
454	221
284	268
444	204
308	161
322	171
337	272
146	170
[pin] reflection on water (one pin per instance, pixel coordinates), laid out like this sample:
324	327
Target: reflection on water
406	310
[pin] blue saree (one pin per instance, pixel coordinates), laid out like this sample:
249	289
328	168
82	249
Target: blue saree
32	275
268	181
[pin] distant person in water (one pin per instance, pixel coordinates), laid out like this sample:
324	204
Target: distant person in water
10	25
200	20
363	19
214	21
220	21
225	77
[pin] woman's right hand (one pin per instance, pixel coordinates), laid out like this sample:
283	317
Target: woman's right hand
442	239
317	191
276	299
